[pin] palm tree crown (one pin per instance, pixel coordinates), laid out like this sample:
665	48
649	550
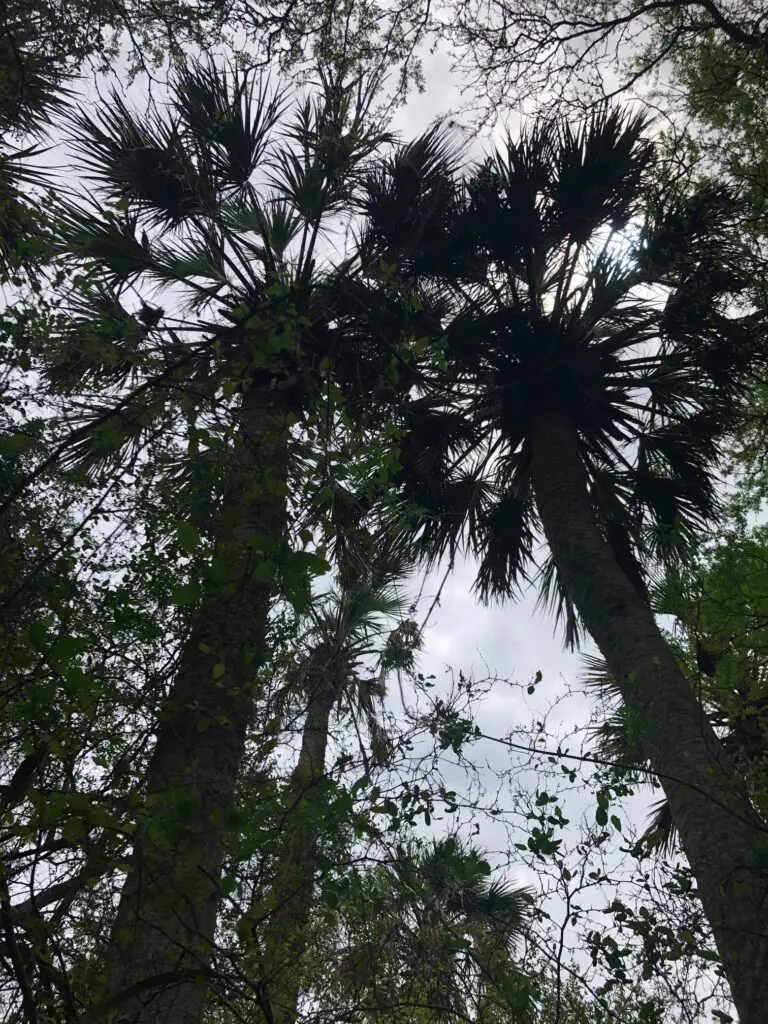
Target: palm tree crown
434	938
216	204
354	636
551	304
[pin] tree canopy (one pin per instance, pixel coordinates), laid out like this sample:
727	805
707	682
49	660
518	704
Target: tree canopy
272	376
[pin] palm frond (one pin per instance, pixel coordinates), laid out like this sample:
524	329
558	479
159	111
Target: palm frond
116	436
597	676
506	908
99	342
504	197
503	539
410	202
110	242
444	513
554	598
19	221
457	879
680	227
617	738
275	222
200	258
34	88
598	171
228	118
617	742
16	167
343	511
318	170
661	834
141	160
347	635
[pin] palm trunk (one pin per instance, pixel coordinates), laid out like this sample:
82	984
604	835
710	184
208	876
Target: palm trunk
160	948
722	836
310	765
284	939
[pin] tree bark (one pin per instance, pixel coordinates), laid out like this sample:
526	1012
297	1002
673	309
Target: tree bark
722	836
284	938
166	918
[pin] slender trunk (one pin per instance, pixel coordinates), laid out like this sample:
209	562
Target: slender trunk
160	948
720	832
310	765
285	937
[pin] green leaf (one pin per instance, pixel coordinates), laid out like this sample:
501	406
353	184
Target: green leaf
12	444
218	670
186	593
330	898
187	536
710	955
601	816
65	649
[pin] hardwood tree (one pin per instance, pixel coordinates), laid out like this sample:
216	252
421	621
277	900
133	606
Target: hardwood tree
582	53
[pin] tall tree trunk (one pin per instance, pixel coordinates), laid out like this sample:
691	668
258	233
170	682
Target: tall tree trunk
160	948
284	937
310	765
723	838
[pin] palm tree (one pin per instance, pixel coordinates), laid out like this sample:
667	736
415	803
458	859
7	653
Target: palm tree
221	207
432	937
344	629
350	646
575	403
